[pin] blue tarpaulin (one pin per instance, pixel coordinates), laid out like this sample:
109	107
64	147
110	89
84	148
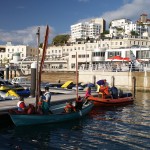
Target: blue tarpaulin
100	82
91	85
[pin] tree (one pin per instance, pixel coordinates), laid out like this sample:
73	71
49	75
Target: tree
104	33
60	39
134	33
41	45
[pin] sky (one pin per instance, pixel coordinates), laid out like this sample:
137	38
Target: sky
19	19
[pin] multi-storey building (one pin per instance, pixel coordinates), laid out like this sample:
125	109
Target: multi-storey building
93	53
100	21
91	29
8	51
125	26
89	54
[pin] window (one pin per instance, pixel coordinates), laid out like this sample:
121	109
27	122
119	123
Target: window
73	56
72	65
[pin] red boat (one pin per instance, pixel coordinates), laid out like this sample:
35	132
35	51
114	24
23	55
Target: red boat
110	101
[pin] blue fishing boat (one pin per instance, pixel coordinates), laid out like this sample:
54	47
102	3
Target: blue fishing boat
58	115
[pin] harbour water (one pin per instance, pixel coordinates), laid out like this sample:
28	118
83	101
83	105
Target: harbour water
113	128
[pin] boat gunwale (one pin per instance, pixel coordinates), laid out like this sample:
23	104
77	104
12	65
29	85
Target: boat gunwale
111	101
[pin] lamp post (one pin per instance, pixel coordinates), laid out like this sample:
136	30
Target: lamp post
86	49
37	69
86	55
140	44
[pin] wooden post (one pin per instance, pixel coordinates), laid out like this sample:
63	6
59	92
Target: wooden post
7	72
94	79
15	73
10	74
112	81
134	86
77	75
33	79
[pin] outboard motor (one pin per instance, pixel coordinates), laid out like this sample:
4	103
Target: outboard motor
114	92
120	93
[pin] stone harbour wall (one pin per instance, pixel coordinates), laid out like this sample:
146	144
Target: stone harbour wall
121	79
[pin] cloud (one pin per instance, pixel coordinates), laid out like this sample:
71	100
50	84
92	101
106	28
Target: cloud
130	10
25	36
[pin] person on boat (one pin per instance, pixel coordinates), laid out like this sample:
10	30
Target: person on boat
114	92
79	103
31	109
106	83
88	92
46	98
21	105
39	108
104	91
69	107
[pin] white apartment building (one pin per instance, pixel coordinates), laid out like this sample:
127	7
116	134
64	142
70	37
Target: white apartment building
85	30
120	22
121	27
23	51
100	21
125	26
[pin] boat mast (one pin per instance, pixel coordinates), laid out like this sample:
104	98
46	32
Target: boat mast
77	76
37	69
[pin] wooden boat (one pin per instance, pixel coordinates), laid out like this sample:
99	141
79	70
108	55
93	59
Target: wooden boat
58	115
110	101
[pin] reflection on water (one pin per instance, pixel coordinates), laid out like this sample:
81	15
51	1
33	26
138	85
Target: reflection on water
126	127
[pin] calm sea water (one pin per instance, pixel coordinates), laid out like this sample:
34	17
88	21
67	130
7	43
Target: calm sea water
122	128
